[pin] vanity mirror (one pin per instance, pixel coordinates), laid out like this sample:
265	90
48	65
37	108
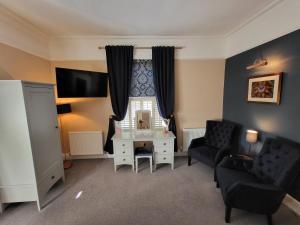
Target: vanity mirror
143	121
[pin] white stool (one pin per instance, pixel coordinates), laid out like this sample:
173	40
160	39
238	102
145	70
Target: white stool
149	156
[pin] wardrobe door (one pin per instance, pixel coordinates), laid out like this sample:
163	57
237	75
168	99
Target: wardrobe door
44	132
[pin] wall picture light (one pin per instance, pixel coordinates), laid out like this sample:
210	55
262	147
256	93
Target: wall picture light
257	63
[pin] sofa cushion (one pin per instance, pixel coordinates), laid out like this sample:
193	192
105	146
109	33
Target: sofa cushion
219	133
204	153
278	163
228	177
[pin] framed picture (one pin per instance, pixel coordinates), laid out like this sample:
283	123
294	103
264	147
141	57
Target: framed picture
265	88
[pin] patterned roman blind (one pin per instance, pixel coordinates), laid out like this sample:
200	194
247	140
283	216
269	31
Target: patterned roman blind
142	79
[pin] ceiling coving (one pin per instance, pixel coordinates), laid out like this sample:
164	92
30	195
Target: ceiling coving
136	17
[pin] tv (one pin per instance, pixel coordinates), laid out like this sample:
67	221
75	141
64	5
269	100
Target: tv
80	84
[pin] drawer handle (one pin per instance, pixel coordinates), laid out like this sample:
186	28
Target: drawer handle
165	143
165	158
123	152
52	177
123	145
165	151
124	159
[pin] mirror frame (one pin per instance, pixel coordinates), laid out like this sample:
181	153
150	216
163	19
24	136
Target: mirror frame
136	121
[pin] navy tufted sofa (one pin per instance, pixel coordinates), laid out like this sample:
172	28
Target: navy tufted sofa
260	185
216	143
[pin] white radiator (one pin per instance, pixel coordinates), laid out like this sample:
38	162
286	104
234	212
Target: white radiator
86	143
190	133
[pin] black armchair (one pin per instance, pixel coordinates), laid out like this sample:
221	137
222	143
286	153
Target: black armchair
259	186
215	144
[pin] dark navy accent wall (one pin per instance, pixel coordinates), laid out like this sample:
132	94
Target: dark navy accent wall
283	55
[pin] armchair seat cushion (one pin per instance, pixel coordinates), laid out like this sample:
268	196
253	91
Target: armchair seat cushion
228	177
205	154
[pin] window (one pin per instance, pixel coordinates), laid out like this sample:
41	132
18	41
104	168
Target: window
142	95
142	103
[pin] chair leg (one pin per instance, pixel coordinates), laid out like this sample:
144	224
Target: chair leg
150	161
227	214
189	160
269	219
1	208
215	175
217	184
136	165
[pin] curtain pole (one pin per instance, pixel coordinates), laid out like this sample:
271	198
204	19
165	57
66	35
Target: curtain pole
143	47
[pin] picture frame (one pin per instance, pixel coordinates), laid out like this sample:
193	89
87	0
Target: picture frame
265	88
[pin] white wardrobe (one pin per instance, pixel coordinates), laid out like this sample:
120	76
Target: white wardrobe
30	150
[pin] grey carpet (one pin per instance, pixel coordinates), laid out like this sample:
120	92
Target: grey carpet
185	196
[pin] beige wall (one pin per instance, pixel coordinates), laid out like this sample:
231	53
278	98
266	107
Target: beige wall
199	90
19	65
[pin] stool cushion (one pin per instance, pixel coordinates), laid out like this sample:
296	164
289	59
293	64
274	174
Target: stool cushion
143	155
142	151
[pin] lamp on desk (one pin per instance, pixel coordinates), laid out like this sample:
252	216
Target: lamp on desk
61	110
251	138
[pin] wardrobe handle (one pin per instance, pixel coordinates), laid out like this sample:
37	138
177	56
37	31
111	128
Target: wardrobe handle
56	127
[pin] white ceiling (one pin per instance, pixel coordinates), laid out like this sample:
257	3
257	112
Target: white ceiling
137	17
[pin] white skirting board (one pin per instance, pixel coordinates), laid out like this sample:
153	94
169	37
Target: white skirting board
292	203
102	156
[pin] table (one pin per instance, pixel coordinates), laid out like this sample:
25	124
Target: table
163	147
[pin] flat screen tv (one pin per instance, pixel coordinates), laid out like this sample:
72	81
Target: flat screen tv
80	84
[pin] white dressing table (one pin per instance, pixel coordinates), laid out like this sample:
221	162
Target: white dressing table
163	144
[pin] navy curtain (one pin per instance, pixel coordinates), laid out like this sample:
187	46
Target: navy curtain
119	65
163	74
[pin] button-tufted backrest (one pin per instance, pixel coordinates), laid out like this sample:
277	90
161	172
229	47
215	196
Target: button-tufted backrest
278	163
219	134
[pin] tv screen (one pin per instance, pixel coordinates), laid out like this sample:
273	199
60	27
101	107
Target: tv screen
79	84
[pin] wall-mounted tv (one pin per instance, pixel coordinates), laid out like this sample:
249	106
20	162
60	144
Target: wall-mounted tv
80	84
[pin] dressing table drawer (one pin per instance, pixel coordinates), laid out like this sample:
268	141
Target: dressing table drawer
123	148
124	151
123	160
163	150
124	144
164	143
161	158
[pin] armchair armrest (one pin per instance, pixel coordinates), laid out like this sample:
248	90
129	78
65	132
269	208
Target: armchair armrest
197	142
221	154
236	163
255	197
